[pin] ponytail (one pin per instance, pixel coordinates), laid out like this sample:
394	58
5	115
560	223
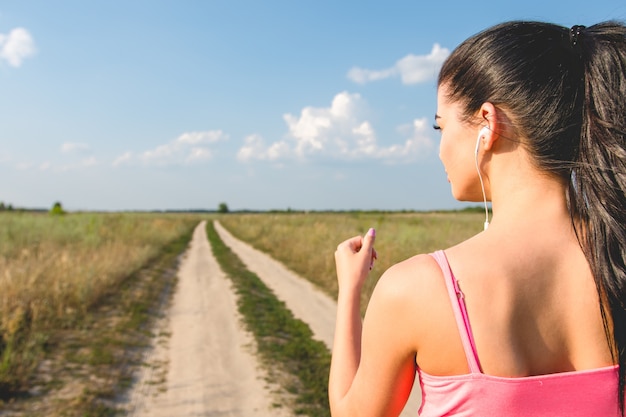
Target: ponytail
597	192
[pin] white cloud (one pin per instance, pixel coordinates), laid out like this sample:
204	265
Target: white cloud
362	75
50	167
419	142
254	148
88	162
418	68
16	46
412	69
319	130
195	138
24	166
124	158
189	147
336	132
161	152
199	154
69	147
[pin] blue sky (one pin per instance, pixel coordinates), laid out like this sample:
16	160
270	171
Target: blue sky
141	105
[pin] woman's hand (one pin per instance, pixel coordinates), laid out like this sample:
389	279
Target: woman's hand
353	259
372	367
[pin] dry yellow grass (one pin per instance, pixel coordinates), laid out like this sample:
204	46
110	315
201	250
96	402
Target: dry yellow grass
306	242
53	269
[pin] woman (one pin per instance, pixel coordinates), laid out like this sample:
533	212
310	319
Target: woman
526	318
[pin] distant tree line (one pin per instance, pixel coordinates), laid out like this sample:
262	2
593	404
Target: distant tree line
5	207
57	208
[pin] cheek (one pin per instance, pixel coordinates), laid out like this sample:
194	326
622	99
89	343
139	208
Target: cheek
458	164
444	152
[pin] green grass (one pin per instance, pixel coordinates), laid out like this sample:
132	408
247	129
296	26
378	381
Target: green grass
284	342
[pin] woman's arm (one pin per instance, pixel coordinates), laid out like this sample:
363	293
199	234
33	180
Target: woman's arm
373	363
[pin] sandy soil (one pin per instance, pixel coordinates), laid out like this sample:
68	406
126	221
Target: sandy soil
202	363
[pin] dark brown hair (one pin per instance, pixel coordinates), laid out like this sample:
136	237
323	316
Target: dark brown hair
565	90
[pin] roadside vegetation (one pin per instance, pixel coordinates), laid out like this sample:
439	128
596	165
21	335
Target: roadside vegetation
76	293
285	344
306	242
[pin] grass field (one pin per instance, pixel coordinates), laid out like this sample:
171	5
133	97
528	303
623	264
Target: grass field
76	289
306	242
55	271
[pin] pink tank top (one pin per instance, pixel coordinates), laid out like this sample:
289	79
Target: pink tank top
580	393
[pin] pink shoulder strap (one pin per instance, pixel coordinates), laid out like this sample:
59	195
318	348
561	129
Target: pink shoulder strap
460	311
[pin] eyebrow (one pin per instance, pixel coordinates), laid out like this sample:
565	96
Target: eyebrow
437	116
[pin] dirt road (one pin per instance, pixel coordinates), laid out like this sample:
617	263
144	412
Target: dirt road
202	364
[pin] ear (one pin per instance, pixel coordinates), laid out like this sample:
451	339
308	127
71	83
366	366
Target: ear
488	117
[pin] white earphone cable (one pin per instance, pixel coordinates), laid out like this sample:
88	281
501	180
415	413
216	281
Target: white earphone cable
482	186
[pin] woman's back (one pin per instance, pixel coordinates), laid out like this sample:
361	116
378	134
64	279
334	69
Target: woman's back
522	329
575	393
531	301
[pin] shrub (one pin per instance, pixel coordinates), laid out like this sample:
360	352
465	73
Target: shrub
222	208
57	209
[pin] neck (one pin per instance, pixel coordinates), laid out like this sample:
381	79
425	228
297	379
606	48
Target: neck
533	198
520	194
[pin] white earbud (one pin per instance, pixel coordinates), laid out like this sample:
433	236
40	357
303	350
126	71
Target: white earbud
481	135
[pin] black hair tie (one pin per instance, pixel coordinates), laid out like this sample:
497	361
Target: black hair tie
574	33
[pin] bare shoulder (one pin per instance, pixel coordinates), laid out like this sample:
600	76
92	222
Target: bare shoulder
414	288
413	294
412	277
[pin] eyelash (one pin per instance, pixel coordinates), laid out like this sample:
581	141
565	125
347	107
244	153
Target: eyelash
436	126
